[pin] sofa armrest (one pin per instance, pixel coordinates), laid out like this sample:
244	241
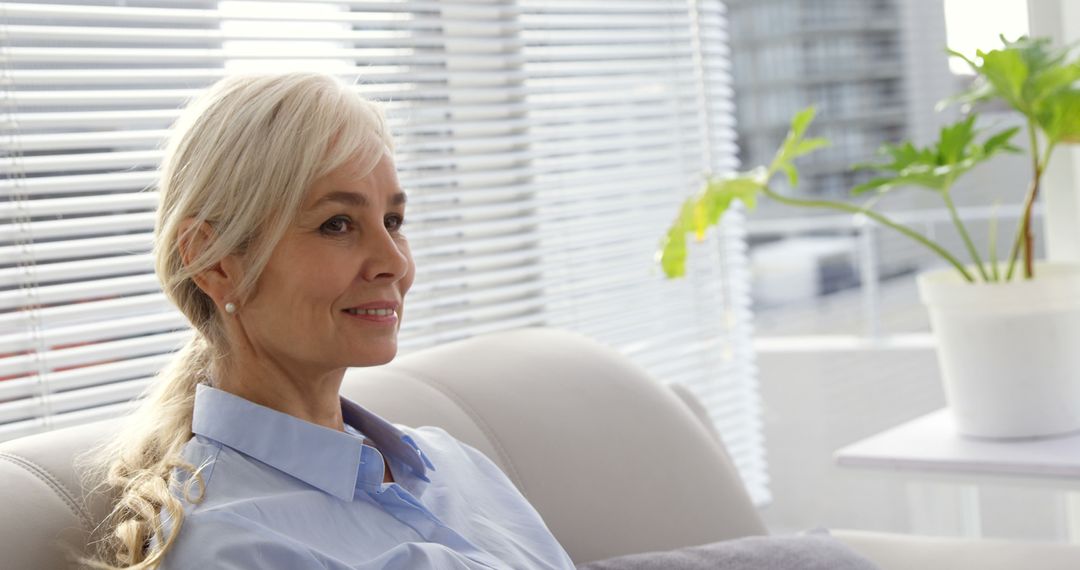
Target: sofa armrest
908	552
699	410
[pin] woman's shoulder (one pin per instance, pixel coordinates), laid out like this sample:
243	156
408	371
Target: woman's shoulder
443	447
434	440
222	539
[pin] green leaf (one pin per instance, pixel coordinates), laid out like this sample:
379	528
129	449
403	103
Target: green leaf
1038	53
903	156
700	212
954	140
933	178
938	165
1000	142
794	144
906	154
979	91
1025	73
974	66
673	254
1060	118
1054	79
700	224
807	146
750	200
801	121
1006	71
882	184
719	194
792	173
685	222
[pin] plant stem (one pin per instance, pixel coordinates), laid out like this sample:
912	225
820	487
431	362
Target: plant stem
993	244
1029	239
963	233
845	207
1023	233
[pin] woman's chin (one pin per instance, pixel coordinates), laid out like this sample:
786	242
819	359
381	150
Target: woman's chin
373	357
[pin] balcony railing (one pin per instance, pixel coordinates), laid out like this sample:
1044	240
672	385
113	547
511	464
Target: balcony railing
845	282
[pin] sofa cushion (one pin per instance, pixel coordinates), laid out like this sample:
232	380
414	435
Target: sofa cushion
804	552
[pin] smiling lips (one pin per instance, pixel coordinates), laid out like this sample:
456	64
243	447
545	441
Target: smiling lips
383	312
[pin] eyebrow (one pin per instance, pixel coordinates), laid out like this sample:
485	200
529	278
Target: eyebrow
356	199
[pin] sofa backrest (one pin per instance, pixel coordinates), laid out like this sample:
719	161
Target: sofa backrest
615	462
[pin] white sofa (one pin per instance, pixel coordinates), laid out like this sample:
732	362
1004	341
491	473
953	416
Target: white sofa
614	461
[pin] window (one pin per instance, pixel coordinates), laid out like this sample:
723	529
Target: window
545	145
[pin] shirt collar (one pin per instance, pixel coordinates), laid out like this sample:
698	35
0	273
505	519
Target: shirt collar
321	457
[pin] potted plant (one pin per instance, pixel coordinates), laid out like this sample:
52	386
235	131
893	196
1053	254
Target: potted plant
1008	340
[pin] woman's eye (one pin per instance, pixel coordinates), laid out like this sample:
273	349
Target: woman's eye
395	222
336	225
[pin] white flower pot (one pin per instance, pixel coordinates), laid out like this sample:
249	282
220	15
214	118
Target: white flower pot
1009	352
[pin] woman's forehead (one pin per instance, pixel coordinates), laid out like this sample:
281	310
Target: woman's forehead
354	183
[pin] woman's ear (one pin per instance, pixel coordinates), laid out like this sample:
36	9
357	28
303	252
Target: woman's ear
220	280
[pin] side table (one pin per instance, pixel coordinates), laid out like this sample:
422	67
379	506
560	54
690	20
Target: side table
944	474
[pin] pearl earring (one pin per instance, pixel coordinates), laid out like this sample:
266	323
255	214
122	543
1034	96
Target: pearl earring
230	308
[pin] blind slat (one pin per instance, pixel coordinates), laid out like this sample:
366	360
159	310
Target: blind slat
83	377
85	291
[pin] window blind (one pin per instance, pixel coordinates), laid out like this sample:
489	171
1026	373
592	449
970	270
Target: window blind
545	145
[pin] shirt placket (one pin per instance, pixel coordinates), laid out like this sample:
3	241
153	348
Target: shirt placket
397	501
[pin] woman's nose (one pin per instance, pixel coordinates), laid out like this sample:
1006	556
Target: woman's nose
387	258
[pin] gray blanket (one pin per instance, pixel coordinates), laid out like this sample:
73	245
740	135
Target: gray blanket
804	552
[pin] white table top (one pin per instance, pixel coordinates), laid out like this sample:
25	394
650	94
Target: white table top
930	443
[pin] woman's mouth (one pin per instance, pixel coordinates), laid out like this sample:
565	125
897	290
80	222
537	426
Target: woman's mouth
378	316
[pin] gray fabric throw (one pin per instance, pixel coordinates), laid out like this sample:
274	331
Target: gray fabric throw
804	552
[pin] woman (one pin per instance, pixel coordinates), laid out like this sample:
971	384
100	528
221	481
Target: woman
279	235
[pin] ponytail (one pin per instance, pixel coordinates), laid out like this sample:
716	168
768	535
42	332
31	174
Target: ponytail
138	464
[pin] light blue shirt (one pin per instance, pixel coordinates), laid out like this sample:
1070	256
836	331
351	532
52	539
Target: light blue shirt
286	494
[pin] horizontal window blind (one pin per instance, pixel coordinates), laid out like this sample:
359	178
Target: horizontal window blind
617	175
545	146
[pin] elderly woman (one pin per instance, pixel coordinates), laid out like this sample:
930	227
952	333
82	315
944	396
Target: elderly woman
279	236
